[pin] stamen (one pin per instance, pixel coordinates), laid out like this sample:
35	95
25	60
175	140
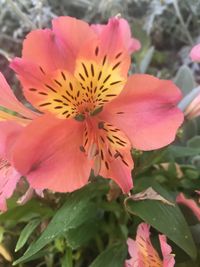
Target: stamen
97	165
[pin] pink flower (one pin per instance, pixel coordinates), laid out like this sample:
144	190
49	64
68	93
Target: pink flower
190	203
9	132
195	53
91	113
142	252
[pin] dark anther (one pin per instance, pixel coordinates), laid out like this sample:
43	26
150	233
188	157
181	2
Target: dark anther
82	149
79	117
101	125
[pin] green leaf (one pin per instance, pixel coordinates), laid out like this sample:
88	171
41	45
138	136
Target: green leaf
194	142
167	219
32	209
76	210
181	151
82	234
145	62
185	80
111	257
26	232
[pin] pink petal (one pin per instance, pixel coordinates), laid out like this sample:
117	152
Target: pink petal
120	173
168	259
9	101
9	132
43	48
131	44
48	153
195	53
109	46
72	34
110	149
9	178
141	250
146	111
190	203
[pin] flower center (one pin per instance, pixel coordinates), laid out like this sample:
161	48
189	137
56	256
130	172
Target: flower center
93	84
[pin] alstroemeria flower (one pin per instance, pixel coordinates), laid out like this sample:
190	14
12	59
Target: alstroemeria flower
10	129
190	203
195	53
143	254
92	114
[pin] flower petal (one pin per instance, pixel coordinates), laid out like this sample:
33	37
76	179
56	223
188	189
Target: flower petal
110	149
168	258
141	250
72	33
48	153
195	53
190	203
131	44
9	101
9	132
43	48
146	111
9	178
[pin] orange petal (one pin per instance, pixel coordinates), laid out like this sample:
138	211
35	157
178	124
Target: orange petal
48	153
146	111
9	101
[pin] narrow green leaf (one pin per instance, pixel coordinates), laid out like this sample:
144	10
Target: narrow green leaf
76	210
167	219
185	79
111	257
26	232
144	64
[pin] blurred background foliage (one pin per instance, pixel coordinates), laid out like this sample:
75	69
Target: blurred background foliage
82	230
